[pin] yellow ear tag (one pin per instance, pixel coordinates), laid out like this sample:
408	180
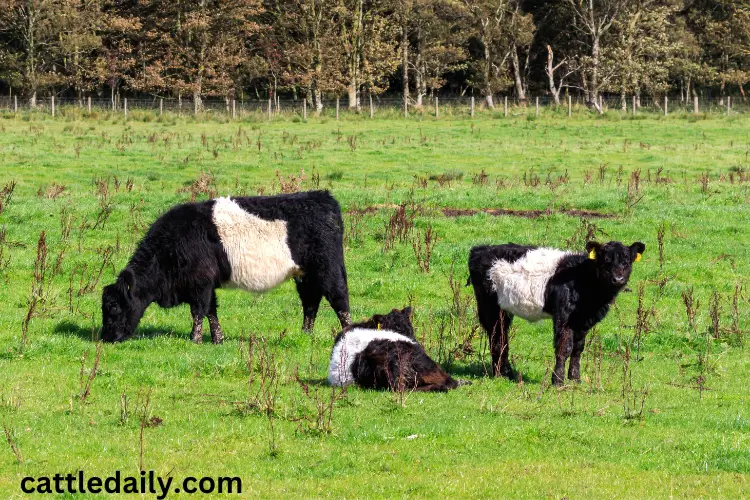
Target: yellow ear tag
378	326
592	255
638	257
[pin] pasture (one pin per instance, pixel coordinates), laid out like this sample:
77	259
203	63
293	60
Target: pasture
662	409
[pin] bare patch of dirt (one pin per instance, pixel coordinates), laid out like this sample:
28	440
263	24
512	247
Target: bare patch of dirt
497	212
371	209
527	214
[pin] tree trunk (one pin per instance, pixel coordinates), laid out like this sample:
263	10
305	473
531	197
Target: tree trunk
418	80
405	59
682	90
593	92
551	76
197	102
520	93
318	71
423	84
352	94
354	57
488	76
318	100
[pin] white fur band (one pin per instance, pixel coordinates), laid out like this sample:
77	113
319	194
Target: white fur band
257	249
521	285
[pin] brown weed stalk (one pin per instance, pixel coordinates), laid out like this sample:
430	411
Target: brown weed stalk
86	387
423	245
12	443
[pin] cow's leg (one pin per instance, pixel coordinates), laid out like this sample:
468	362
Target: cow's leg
336	291
499	345
310	295
200	304
217	335
496	323
198	316
564	340
574	369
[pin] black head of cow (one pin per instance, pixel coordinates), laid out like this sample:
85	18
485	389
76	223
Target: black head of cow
614	261
121	310
395	321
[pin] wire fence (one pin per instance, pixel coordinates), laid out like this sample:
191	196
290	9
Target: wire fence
387	106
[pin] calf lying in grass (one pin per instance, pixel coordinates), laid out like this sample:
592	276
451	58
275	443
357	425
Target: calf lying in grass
575	290
382	353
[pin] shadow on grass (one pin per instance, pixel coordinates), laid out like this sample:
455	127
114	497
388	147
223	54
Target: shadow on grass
92	334
318	382
483	370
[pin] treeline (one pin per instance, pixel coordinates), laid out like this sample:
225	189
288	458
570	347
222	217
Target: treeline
314	49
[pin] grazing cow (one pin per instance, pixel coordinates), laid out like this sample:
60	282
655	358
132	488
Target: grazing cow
382	353
253	243
575	290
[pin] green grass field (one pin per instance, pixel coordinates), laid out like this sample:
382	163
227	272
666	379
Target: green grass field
663	409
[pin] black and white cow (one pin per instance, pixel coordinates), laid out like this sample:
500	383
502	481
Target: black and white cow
575	290
253	243
382	353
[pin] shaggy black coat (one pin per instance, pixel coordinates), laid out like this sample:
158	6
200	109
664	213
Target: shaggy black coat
577	296
395	365
181	260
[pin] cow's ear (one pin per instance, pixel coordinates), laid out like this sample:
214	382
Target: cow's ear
378	321
126	283
407	311
592	249
636	251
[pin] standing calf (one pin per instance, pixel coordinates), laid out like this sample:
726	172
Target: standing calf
253	243
382	353
575	290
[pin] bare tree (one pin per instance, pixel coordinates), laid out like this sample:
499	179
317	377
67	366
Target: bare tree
593	19
555	87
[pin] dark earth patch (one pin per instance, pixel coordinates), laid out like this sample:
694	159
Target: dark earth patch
528	214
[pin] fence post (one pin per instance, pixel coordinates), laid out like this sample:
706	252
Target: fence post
437	108
304	108
337	108
161	106
269	109
506	106
729	104
634	105
15	104
88	104
372	110
53	105
234	109
195	105
537	106
406	109
666	105
472	106
278	104
125	107
695	105
570	105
